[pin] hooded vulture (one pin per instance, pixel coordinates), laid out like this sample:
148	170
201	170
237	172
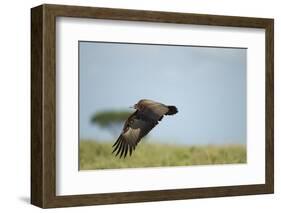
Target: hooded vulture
147	115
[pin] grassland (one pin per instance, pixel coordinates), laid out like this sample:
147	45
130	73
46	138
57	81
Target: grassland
97	155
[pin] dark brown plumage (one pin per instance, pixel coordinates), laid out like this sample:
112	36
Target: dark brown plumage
147	115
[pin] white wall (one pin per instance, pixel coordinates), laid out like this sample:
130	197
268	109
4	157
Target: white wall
15	106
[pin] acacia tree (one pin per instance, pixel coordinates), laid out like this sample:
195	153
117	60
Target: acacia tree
111	120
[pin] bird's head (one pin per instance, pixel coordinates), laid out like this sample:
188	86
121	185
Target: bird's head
140	104
135	106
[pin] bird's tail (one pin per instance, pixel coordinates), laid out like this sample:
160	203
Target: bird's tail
172	110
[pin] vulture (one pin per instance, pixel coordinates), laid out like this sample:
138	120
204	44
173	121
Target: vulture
147	115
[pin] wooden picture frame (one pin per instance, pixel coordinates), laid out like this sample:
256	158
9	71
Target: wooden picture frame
43	105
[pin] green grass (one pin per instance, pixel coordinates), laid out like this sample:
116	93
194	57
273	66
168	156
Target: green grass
97	155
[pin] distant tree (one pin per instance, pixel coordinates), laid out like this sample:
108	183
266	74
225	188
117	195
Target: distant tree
111	120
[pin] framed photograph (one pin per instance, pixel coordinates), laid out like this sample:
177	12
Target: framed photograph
136	106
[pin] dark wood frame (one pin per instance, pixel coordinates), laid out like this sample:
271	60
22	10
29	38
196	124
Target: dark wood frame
43	105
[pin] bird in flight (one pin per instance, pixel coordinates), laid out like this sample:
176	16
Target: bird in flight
147	115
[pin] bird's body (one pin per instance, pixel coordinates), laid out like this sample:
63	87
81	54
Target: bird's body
147	115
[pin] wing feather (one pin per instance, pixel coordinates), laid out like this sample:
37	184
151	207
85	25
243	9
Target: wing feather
120	147
134	130
126	149
117	144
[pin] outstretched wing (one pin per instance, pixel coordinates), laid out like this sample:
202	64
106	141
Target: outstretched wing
152	110
134	130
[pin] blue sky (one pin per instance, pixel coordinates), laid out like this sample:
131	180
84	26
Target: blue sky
206	84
